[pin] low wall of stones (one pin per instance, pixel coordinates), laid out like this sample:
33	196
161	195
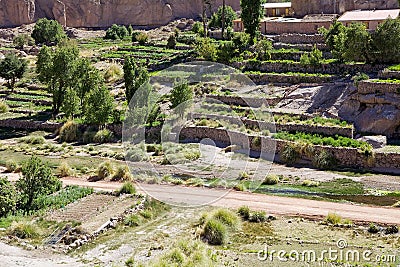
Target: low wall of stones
346	157
245	101
277	127
30	125
281	67
389	74
298	38
303	47
291	79
369	87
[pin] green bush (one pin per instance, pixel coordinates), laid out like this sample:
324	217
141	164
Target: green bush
333	218
88	136
122	173
136	154
64	170
392	229
373	229
3	106
48	32
359	77
113	73
133	220
324	160
227	217
244	212
263	50
289	154
23	230
127	188
226	52
309	183
206	49
142	38
271	179
69	132
241	41
12	166
33	139
258	216
116	32
197	28
103	136
215	232
105	170
171	42
8	197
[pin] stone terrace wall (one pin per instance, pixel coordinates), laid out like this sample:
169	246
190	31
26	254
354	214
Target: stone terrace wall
389	74
303	27
30	125
277	127
280	67
245	101
291	79
369	87
293	38
346	157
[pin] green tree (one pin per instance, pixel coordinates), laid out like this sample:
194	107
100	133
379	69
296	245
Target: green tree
116	32
48	32
57	69
241	41
216	19
334	38
181	97
37	179
71	106
226	52
99	106
86	77
252	12
357	43
8	197
23	39
12	68
135	76
171	43
206	49
263	49
130	30
386	42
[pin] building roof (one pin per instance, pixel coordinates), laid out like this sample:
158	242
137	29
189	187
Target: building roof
278	5
367	15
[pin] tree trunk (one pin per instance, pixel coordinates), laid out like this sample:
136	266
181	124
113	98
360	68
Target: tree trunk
223	20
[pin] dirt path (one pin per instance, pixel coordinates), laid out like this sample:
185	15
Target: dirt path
277	205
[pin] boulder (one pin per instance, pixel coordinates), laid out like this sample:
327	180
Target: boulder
378	119
377	141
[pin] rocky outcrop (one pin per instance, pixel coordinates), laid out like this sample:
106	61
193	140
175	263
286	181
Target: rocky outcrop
304	7
103	13
374	108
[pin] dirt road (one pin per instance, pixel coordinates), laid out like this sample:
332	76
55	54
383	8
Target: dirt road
276	205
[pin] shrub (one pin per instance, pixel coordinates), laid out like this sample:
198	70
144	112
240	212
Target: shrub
309	183
289	154
23	230
136	154
127	188
142	38
113	73
226	51
206	49
133	220
241	41
240	187
23	39
244	176
33	139
359	77
88	136
11	165
271	180
263	50
393	229
103	136
258	216
122	173
64	170
227	217
397	204
244	212
333	218
116	32
373	229
8	197
69	132
324	160
197	28
3	106
215	232
105	170
171	42
48	32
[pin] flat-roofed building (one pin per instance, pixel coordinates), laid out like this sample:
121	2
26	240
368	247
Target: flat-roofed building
278	9
371	18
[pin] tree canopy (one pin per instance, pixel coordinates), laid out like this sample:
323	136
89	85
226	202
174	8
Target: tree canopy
12	68
252	12
48	32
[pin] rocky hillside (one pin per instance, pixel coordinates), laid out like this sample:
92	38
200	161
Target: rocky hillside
102	13
304	7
